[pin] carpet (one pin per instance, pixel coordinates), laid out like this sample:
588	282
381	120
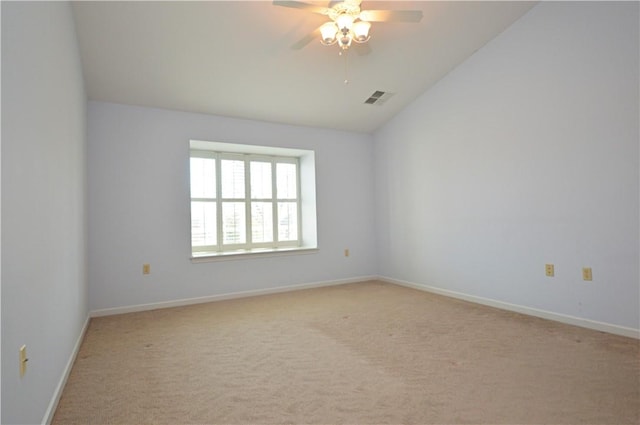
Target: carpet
364	353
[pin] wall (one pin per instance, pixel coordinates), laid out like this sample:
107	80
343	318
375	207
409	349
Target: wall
525	154
44	282
139	207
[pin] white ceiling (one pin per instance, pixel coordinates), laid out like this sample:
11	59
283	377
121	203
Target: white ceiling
234	58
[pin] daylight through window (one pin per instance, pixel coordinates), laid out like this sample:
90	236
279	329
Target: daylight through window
242	201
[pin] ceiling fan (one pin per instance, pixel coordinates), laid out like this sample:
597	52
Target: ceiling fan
349	23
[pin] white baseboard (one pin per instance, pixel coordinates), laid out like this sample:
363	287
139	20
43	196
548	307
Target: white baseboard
570	320
233	295
51	410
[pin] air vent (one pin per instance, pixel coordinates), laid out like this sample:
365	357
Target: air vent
378	98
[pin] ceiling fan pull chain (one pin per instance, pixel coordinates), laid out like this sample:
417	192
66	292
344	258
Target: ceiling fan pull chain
346	75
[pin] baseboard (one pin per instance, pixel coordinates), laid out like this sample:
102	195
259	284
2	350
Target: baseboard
570	320
51	410
221	297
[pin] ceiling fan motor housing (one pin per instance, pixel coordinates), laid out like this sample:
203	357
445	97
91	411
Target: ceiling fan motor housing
345	8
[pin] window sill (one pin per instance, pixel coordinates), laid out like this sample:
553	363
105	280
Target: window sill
206	257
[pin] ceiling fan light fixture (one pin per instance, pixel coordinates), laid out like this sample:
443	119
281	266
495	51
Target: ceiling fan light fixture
361	31
328	32
348	21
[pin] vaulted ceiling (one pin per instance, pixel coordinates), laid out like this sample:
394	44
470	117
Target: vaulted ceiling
234	58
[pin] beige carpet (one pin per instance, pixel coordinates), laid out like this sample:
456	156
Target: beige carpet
360	354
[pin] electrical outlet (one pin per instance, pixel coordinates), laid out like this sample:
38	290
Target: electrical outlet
23	360
586	273
146	268
346	252
549	270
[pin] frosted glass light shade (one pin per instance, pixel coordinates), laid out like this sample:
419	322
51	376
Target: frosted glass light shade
344	21
328	31
344	41
361	31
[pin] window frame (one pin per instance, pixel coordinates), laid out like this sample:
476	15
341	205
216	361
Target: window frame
248	246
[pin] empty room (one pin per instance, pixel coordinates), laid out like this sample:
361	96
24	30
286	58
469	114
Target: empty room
314	212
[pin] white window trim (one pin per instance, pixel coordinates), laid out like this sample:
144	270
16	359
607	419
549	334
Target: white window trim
254	253
306	220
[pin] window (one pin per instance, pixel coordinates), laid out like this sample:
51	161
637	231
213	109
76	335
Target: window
244	201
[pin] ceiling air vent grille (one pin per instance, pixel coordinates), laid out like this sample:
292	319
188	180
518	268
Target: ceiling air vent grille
378	98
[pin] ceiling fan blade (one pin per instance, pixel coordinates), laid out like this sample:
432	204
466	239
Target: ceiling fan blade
306	39
391	15
301	5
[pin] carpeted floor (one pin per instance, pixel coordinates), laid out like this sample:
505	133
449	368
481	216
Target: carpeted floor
362	353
